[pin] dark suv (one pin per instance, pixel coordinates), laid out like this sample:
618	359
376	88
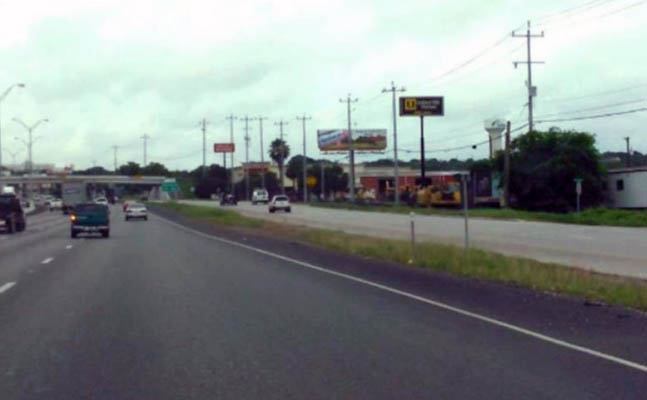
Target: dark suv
12	217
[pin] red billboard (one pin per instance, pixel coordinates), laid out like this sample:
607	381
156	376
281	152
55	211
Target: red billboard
224	147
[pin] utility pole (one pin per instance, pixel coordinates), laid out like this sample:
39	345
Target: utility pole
305	172
532	90
506	168
351	150
628	152
396	171
260	121
145	139
231	119
114	149
280	124
247	119
203	124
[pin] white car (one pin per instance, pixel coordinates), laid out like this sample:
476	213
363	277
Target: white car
260	196
55	204
101	200
136	211
279	202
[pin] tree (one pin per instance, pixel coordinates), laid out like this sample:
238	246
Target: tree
130	169
544	165
335	179
214	181
155	169
93	171
279	151
294	169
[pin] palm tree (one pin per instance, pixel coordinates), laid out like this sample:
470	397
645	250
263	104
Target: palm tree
279	151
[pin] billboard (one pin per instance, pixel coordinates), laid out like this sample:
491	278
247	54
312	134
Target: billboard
422	106
224	147
256	167
363	139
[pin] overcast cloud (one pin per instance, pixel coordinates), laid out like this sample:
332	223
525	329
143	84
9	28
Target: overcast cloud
107	72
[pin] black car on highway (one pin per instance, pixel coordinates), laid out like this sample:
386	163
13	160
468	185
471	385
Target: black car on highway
12	216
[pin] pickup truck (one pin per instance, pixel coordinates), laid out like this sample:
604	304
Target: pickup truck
12	217
90	218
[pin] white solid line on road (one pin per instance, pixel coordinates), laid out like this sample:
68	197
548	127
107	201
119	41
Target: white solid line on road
47	260
438	304
6	287
69	246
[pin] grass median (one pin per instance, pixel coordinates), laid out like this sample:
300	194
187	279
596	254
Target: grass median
479	264
594	216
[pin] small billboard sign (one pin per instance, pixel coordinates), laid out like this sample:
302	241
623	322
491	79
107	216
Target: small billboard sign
422	106
224	147
256	167
363	139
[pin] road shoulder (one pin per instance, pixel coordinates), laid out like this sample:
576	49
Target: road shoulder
610	329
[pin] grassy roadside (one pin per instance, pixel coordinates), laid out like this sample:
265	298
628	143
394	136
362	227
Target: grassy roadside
478	264
597	216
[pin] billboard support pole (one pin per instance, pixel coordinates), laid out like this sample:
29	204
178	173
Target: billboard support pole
422	149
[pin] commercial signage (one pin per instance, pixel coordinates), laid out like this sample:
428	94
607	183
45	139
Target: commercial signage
224	147
422	106
363	139
256	167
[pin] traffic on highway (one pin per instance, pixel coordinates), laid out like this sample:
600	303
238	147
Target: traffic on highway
317	199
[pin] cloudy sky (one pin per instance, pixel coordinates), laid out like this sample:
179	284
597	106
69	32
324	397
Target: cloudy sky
107	72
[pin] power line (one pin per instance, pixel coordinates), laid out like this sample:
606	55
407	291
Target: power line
636	110
594	108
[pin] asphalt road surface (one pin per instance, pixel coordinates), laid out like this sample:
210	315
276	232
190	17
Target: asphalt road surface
158	311
613	250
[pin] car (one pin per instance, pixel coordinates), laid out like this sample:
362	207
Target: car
101	200
260	196
90	218
55	204
279	202
12	216
228	199
136	211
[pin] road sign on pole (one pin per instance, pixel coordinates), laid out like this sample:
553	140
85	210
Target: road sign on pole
422	106
224	147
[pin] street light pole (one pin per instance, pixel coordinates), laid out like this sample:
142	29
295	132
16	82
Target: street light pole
30	143
2	97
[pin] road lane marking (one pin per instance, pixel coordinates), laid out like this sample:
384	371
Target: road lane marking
6	287
444	306
47	260
69	246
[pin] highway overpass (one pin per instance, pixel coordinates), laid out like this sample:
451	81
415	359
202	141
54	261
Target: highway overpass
100	179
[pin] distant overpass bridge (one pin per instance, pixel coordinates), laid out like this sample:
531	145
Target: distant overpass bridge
97	179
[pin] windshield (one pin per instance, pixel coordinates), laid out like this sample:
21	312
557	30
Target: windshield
281	198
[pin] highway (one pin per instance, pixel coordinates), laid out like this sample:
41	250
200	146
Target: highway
612	250
164	311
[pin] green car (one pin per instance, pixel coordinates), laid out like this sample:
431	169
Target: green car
90	218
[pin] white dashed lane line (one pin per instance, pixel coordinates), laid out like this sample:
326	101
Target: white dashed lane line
6	287
69	246
47	260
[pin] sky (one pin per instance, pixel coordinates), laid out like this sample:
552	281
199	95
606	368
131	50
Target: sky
107	72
